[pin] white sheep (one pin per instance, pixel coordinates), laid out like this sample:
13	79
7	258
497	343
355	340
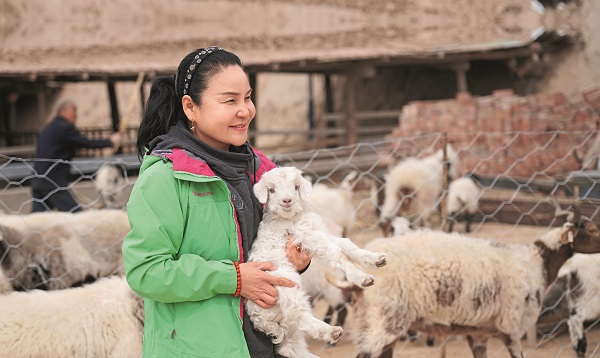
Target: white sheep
463	201
102	319
449	284
55	250
335	203
109	182
413	188
284	192
583	296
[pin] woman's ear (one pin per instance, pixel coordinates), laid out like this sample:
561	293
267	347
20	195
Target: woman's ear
260	190
188	106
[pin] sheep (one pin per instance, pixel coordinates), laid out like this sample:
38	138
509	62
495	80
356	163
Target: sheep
53	250
284	192
336	204
463	201
101	319
413	188
583	296
109	181
411	191
450	284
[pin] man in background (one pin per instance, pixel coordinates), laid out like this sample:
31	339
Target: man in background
55	148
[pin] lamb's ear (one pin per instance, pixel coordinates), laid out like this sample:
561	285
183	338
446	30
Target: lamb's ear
261	192
305	188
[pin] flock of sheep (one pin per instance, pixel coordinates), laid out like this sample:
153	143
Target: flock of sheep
58	268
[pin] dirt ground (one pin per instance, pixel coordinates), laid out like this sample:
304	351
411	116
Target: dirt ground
551	345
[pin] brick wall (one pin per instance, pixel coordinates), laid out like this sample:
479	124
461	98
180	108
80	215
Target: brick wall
507	134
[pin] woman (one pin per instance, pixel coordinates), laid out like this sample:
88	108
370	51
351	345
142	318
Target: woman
194	216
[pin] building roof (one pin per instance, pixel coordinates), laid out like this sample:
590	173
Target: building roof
76	41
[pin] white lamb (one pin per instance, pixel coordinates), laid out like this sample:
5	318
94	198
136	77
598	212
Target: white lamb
335	203
284	191
450	284
99	320
463	201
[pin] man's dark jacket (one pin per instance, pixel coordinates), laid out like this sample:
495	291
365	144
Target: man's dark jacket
59	140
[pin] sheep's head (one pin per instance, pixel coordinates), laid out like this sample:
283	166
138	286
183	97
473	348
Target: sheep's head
109	182
582	233
283	190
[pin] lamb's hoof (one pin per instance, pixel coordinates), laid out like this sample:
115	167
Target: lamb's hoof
382	261
369	281
336	333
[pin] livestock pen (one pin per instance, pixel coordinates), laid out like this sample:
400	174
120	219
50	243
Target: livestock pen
524	178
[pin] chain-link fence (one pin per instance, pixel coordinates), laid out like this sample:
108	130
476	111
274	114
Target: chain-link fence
524	180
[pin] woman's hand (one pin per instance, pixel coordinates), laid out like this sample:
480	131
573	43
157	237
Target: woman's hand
298	257
259	285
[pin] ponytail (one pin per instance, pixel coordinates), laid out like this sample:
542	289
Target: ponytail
163	110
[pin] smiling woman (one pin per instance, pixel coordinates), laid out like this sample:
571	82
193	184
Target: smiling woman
194	216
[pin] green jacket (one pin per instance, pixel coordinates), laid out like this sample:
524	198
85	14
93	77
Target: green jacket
179	257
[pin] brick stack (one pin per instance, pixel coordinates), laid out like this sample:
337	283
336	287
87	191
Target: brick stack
506	134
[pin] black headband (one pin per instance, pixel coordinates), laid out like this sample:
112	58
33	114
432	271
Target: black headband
201	55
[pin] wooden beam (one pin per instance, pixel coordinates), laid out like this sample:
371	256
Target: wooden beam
114	105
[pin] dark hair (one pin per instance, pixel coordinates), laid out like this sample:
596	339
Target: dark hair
163	108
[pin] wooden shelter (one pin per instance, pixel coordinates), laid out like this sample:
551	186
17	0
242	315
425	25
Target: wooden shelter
351	40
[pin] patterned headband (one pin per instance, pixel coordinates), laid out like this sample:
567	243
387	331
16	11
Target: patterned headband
192	68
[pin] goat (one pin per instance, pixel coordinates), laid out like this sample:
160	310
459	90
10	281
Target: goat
583	297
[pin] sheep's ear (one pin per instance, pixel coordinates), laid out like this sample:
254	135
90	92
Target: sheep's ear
261	192
305	188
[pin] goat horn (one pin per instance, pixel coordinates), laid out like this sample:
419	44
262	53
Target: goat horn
576	212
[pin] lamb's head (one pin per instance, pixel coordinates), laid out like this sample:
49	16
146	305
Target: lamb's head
283	190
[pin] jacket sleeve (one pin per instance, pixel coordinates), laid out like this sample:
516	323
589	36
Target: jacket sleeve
77	140
150	249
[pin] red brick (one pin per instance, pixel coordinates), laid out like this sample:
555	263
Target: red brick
502	93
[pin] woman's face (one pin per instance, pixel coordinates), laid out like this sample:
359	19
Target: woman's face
226	110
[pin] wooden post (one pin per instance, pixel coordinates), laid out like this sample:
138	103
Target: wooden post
445	168
114	106
252	128
461	75
350	109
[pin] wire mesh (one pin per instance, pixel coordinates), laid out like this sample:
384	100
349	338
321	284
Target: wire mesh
524	179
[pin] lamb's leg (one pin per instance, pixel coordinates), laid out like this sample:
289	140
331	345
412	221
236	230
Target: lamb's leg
468	219
578	340
295	308
478	346
358	255
294	345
